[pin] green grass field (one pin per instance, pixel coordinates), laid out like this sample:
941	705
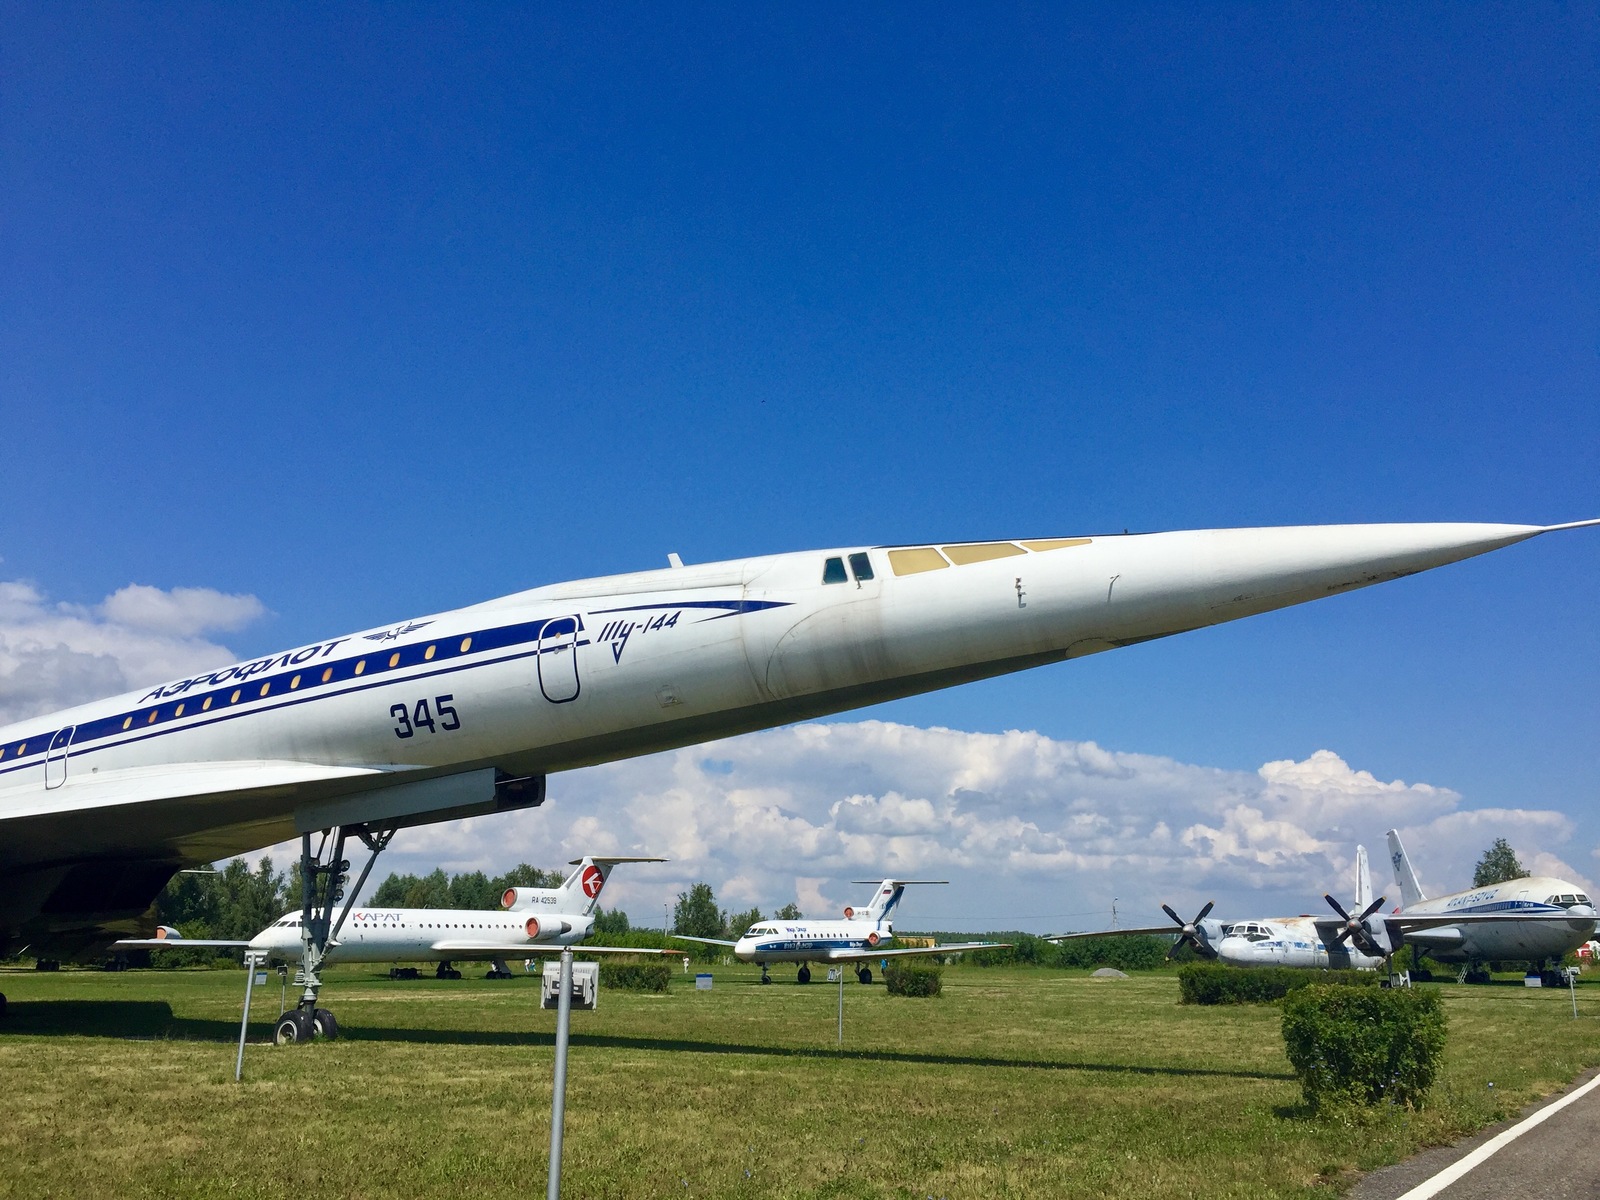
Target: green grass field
1015	1082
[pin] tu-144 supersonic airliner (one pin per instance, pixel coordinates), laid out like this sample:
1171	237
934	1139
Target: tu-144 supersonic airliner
467	712
862	936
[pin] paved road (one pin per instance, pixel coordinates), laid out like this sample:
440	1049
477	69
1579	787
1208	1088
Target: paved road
1558	1160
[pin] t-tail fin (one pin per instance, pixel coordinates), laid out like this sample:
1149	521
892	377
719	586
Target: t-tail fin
1363	880
580	891
884	899
1410	891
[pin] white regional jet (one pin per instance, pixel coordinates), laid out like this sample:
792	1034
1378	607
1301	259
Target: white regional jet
466	712
863	935
532	921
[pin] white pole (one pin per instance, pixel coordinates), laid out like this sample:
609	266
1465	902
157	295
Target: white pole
558	1102
251	961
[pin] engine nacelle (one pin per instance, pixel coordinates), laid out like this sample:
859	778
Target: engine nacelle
542	929
167	931
514	898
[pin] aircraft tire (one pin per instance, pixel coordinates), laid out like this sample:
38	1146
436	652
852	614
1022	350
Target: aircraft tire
323	1025
804	975
764	979
293	1026
2	1004
864	975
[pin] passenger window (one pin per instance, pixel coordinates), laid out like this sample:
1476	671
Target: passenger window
861	567
833	571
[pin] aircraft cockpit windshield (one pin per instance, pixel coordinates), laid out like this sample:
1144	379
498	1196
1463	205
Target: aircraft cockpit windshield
1250	930
1568	899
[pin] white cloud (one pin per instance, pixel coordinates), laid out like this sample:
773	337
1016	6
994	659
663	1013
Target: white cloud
54	655
1033	832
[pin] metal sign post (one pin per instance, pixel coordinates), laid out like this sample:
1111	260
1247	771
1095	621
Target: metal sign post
558	1103
841	1006
252	960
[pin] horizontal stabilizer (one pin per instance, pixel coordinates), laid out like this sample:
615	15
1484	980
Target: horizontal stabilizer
597	859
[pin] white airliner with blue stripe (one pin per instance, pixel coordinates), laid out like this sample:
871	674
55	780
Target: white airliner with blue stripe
861	938
467	712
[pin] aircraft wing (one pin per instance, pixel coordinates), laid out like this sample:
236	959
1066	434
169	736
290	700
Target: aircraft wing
169	943
524	949
1406	923
1146	932
82	862
683	937
908	951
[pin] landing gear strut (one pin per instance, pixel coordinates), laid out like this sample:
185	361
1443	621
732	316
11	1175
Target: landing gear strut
445	971
323	875
765	978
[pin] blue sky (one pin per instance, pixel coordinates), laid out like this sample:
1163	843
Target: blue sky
373	311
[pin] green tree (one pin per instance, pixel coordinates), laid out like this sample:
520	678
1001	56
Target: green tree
696	913
615	921
789	912
1498	864
737	923
431	891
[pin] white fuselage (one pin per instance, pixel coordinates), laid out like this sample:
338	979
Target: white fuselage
430	718
811	941
1287	942
1511	941
413	934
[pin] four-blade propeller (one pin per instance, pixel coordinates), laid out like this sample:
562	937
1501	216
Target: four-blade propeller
1191	929
1356	929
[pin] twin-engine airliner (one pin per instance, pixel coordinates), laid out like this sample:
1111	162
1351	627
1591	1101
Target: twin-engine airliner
467	712
860	938
1536	919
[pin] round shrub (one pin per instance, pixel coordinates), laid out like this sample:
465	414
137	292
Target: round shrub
1364	1045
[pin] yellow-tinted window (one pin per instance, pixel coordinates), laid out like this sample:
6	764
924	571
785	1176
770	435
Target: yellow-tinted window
327	674
394	659
466	644
428	653
294	683
207	705
178	712
265	688
980	552
361	666
128	722
152	719
911	562
234	699
1056	543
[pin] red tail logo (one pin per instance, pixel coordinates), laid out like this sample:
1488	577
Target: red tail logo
592	881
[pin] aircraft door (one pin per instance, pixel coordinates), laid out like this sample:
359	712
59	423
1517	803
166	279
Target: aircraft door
55	758
558	659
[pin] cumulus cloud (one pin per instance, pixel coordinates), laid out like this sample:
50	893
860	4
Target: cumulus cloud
1033	832
54	655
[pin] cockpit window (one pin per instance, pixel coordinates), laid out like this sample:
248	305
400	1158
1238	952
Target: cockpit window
861	567
833	571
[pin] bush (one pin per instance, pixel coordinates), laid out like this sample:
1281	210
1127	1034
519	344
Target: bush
907	978
635	976
1218	983
1125	952
1364	1045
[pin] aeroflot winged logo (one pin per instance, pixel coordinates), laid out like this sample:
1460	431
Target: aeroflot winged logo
593	881
398	632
